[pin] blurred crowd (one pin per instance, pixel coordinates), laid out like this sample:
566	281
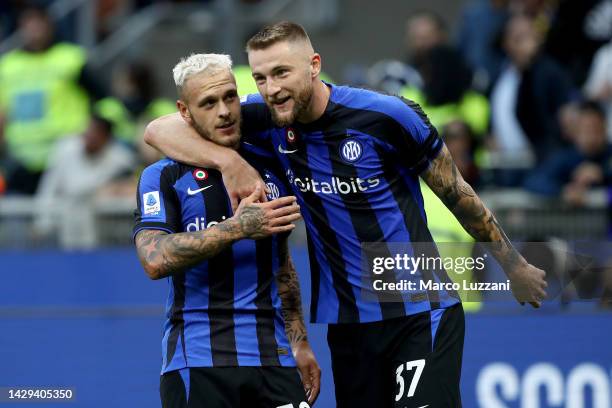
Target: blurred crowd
521	91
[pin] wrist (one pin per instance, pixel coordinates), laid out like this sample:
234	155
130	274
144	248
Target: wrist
513	266
223	162
232	227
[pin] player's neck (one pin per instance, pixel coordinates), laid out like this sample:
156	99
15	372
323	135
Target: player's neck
318	103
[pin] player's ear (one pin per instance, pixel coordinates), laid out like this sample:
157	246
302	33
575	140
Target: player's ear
184	111
315	65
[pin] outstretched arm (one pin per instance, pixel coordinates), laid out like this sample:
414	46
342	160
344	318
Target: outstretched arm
175	138
446	181
163	254
291	300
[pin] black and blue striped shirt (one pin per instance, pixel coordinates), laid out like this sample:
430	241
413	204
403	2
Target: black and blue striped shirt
224	311
355	172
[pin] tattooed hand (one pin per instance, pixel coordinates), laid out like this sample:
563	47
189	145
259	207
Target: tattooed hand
444	179
259	220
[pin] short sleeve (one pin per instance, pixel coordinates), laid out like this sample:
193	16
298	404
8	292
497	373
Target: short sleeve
409	134
257	123
157	203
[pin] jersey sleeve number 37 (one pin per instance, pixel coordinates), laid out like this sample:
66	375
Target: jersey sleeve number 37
409	365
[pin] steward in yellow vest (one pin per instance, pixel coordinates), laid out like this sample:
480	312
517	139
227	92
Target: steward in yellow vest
41	99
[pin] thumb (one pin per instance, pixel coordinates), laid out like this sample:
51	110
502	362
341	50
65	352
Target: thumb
234	202
254	196
306	377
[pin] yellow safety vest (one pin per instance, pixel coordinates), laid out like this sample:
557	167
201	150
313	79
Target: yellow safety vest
473	109
125	126
42	101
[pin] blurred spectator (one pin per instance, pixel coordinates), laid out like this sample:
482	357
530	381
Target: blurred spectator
573	171
479	28
526	100
424	30
42	97
78	167
446	94
578	29
134	102
391	76
599	83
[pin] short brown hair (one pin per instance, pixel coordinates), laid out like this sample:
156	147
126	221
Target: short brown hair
274	33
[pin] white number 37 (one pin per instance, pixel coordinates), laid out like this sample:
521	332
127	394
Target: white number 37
419	365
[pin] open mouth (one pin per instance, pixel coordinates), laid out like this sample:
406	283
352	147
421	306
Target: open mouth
280	102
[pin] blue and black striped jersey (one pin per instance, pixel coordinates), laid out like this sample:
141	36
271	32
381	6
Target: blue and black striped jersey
355	172
223	312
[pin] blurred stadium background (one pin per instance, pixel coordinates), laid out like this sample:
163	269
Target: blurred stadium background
521	90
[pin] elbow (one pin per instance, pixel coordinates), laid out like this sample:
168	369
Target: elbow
150	133
153	271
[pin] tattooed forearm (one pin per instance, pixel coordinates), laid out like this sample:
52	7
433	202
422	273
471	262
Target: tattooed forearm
163	254
291	300
446	181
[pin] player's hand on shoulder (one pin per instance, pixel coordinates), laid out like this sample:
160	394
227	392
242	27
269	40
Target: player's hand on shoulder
528	284
259	220
239	179
309	369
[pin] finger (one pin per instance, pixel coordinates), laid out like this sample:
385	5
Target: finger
264	190
281	229
541	294
254	196
284	220
286	210
316	385
234	202
281	202
306	381
535	304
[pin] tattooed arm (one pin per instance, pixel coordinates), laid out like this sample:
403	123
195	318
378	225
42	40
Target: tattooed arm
291	304
446	181
289	294
163	254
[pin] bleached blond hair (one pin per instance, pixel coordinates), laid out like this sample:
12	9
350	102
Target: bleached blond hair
198	63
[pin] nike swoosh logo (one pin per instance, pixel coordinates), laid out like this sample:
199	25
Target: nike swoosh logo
280	149
192	192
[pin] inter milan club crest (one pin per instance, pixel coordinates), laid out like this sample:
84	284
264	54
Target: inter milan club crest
351	150
200	174
274	191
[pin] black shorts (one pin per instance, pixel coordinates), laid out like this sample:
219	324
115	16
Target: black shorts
233	387
393	363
